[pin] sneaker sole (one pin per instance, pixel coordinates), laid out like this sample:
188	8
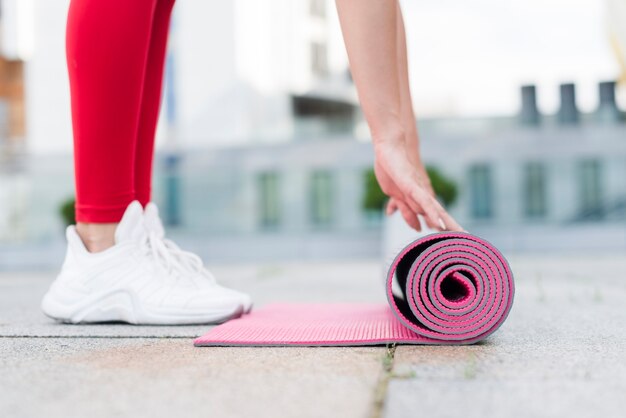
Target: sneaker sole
121	306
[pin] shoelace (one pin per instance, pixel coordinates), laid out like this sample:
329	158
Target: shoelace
172	259
187	260
153	248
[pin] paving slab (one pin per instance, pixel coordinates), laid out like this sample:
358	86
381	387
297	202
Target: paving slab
96	377
21	294
562	352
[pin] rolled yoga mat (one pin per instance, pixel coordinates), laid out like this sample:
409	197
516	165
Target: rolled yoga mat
444	288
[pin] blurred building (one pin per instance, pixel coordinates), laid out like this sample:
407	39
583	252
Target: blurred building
616	17
239	72
15	47
260	153
539	182
527	182
271	71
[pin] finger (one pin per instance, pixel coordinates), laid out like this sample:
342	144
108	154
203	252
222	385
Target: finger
422	202
426	207
448	221
414	199
431	214
409	216
392	207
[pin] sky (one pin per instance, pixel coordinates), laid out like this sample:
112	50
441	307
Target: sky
469	57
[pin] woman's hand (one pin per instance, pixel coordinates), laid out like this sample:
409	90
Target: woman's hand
402	176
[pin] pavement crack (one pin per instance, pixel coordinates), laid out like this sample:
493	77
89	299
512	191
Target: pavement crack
382	385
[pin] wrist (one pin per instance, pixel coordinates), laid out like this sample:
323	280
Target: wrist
395	136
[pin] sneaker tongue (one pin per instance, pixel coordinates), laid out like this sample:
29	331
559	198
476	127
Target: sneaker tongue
153	220
131	227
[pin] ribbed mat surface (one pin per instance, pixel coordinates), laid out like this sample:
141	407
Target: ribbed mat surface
445	288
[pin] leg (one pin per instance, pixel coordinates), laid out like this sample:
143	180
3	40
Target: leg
111	55
151	100
371	35
107	49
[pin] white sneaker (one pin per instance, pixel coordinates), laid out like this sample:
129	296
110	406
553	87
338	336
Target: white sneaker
133	282
190	264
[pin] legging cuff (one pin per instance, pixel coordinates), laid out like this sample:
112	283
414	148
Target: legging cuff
100	214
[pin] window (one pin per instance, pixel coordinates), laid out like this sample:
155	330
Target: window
590	189
321	195
269	199
535	198
317	8
481	194
319	59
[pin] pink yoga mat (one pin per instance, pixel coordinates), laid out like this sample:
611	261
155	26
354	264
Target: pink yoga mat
445	288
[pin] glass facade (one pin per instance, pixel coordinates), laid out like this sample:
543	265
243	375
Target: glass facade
590	189
534	190
321	198
269	199
481	191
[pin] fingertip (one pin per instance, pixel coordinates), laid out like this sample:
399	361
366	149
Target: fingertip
451	223
417	224
409	216
391	208
413	223
436	224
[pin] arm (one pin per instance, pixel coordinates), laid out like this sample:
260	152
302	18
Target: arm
374	36
408	115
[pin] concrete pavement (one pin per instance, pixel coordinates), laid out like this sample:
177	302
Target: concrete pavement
561	353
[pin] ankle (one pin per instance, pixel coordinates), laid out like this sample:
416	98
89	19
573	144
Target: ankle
97	237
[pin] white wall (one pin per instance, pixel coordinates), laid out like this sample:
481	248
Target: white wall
48	117
239	61
205	78
236	62
16	31
229	72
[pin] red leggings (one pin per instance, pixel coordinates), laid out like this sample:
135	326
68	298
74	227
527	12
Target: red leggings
115	55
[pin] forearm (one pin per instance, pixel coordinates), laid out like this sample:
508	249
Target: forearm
406	103
376	47
374	63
